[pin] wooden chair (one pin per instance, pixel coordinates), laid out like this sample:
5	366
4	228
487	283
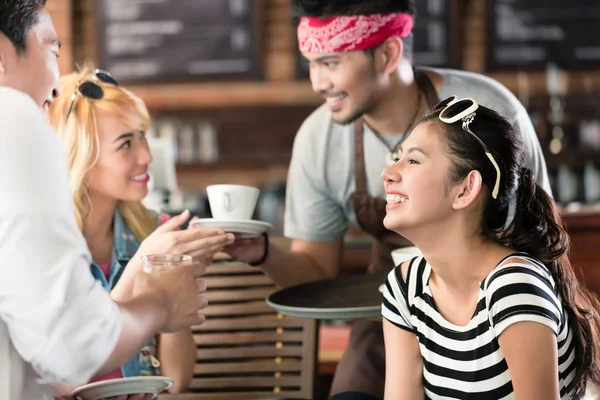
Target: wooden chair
245	350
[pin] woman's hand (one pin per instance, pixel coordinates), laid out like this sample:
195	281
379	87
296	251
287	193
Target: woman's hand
200	243
196	242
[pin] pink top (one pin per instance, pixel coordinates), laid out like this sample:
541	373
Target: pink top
106	271
163	217
105	268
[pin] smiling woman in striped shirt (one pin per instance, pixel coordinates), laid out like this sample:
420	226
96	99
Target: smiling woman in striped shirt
492	310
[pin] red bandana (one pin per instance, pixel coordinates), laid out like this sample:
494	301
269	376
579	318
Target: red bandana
337	34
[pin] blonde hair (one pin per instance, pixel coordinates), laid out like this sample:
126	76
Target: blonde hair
79	136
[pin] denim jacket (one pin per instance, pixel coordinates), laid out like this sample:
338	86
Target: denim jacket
125	245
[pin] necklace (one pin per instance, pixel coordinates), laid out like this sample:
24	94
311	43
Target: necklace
394	149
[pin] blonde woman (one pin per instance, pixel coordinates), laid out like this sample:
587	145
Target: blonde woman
102	127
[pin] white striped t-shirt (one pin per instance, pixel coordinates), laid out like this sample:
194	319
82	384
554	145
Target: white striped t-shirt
466	361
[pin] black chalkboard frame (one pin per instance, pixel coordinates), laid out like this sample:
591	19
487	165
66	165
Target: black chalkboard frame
492	65
258	60
454	33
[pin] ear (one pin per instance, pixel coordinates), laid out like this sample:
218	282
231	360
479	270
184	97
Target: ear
8	53
392	50
3	55
467	192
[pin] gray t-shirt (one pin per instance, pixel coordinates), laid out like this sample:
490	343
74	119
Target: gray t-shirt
321	176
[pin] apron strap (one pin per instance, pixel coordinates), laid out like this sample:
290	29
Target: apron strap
426	86
360	173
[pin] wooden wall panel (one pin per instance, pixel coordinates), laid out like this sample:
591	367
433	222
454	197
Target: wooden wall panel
280	50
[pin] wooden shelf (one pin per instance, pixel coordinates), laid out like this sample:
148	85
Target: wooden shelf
228	94
179	96
535	80
574	157
581	215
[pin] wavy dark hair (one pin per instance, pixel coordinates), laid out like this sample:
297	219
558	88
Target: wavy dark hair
16	19
331	8
536	227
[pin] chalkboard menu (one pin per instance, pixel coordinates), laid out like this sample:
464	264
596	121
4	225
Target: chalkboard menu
532	33
436	39
150	40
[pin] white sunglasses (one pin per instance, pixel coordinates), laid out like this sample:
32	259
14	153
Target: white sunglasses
453	109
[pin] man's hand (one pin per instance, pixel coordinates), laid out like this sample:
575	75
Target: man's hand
179	294
246	250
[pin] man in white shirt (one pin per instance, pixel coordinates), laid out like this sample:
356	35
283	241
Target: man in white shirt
57	324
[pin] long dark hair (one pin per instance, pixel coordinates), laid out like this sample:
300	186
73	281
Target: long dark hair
536	227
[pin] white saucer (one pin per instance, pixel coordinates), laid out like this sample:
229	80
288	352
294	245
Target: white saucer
122	386
249	228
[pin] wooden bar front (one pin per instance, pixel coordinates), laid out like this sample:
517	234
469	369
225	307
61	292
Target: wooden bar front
584	231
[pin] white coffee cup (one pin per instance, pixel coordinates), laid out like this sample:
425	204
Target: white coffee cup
229	202
405	253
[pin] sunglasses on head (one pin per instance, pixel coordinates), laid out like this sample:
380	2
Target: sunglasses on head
91	89
452	110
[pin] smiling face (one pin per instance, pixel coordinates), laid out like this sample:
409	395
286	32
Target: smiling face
347	81
418	188
121	171
34	71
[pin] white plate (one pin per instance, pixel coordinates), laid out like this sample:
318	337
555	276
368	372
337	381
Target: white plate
106	390
249	228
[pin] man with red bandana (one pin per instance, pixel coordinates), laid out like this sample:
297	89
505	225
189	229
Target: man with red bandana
361	63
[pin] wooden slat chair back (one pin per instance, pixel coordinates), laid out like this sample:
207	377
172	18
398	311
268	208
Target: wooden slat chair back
245	350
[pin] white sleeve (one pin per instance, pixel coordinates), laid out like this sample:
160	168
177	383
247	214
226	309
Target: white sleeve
395	306
519	291
59	318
